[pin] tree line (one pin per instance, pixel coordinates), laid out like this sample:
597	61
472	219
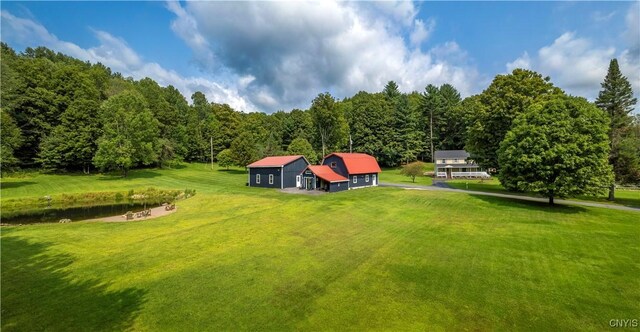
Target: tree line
63	114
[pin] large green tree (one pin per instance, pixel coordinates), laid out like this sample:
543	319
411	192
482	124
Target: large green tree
329	122
507	97
617	101
244	149
225	158
301	146
130	134
558	148
10	141
370	120
72	144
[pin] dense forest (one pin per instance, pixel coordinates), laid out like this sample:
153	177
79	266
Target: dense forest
62	114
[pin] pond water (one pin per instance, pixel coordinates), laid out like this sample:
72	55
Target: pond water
75	213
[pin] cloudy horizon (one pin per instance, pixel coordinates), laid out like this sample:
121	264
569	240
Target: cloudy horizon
269	56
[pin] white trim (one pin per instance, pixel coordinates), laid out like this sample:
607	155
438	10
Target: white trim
366	178
270	178
355	179
282	177
257	178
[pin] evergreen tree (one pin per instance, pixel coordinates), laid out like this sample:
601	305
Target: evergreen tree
617	101
431	104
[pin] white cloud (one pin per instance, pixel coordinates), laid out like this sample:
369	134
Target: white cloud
578	65
293	51
422	31
600	17
523	62
575	63
116	54
187	28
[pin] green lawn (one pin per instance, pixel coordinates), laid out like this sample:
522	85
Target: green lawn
239	258
623	197
392	175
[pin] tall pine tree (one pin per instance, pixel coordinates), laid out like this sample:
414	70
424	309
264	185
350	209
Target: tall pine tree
616	100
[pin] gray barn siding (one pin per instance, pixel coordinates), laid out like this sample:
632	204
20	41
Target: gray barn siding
340	166
361	180
264	177
338	186
291	170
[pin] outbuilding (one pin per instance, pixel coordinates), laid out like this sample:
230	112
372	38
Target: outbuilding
277	172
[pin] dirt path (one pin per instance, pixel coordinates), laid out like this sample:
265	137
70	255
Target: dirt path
524	198
155	213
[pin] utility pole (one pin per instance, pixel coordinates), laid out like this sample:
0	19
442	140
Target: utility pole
350	144
211	152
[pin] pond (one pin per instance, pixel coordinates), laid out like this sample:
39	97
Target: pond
43	215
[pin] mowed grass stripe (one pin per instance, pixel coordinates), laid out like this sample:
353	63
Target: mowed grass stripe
238	258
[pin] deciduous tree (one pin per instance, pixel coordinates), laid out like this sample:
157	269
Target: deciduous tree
413	169
10	140
130	133
225	158
507	97
301	146
558	148
329	122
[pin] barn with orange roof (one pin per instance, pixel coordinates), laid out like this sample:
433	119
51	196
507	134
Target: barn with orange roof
342	171
338	172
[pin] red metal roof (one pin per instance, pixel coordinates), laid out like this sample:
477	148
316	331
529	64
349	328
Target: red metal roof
275	161
359	163
326	173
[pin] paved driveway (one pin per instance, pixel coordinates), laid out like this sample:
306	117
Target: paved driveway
512	196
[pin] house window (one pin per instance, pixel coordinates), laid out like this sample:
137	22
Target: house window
366	178
270	178
455	160
258	178
355	179
334	165
444	161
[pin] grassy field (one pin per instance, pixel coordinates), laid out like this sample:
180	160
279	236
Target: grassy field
393	175
239	258
623	197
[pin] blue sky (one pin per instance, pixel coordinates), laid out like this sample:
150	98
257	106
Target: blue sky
267	56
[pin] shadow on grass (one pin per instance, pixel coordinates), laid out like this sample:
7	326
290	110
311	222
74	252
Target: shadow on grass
38	294
17	184
132	175
530	205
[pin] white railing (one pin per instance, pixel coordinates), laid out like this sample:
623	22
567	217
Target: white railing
470	175
441	174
